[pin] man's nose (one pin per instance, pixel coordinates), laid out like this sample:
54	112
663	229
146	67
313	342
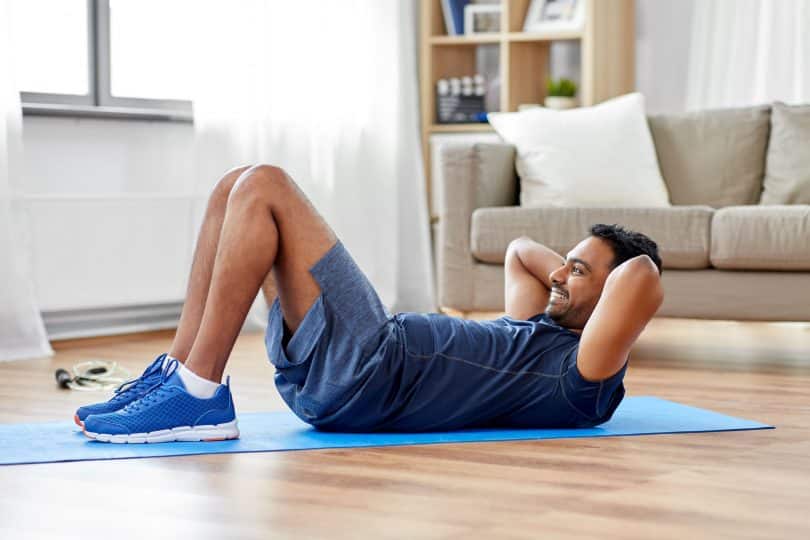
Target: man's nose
557	277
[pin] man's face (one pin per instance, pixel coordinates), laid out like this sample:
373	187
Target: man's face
577	285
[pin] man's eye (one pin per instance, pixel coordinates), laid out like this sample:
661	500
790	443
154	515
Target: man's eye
577	270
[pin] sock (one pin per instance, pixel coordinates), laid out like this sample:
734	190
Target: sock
197	386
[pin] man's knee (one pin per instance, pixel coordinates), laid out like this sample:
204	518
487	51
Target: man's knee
222	189
260	183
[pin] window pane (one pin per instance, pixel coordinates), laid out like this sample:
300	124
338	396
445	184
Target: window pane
50	45
150	48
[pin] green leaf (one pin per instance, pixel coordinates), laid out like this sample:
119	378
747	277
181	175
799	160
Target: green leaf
562	88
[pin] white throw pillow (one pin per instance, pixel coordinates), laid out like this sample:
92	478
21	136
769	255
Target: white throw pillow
591	156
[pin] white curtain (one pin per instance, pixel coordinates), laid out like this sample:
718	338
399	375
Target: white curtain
328	91
745	52
22	334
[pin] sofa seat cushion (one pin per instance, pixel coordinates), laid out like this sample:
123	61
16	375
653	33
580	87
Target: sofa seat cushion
681	232
773	237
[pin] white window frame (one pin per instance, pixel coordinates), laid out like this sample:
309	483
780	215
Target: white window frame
99	101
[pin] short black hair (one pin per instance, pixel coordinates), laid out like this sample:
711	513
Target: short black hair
627	244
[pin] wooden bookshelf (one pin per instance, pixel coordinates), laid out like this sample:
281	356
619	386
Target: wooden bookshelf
607	59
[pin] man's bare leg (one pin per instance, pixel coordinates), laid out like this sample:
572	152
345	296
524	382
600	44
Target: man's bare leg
269	225
203	265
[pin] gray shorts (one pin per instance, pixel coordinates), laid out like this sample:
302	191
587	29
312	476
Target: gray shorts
338	345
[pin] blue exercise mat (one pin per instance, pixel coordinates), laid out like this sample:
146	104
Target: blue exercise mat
273	431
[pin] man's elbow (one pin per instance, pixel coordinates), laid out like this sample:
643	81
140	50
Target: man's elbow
642	272
641	265
519	240
514	246
650	277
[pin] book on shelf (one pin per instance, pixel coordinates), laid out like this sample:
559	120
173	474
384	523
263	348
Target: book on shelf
453	11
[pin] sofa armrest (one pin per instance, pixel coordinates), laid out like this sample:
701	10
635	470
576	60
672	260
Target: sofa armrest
470	176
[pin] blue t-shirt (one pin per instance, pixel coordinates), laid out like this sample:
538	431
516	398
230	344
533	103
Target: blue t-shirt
443	372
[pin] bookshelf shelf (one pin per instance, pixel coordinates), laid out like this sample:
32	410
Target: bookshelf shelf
505	37
465	40
459	128
559	35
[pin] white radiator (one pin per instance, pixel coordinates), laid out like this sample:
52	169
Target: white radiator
75	323
111	264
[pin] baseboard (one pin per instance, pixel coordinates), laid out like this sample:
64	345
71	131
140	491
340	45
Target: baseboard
79	323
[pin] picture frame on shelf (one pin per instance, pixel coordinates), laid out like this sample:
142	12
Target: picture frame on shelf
482	19
550	15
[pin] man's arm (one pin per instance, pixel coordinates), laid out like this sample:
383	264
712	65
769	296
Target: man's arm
527	285
631	296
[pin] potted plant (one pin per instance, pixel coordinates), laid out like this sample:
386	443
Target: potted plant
561	94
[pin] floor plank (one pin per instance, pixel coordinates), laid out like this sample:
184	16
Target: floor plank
708	485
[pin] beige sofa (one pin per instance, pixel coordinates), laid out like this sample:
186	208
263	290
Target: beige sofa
725	255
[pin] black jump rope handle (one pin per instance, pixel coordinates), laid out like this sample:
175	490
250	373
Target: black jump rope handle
63	377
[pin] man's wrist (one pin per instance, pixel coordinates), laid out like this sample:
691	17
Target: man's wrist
538	259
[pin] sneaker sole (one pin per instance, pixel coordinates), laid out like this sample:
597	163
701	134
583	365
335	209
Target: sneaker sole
217	432
78	422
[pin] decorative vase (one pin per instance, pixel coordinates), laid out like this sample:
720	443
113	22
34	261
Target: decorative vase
560	103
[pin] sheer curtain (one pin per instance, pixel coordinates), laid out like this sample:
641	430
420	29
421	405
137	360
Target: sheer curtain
749	51
328	91
22	334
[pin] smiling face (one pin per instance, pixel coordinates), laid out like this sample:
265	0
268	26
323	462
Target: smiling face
577	285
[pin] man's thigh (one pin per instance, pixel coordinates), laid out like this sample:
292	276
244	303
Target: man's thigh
304	238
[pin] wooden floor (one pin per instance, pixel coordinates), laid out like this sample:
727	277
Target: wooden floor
712	485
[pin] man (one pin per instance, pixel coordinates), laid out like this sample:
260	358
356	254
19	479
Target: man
557	359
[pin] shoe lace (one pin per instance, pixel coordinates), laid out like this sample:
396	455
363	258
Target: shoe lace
156	390
137	384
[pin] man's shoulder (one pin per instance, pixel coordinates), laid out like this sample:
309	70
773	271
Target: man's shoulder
541	323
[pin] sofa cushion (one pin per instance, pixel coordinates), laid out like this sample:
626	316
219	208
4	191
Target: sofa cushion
761	238
681	232
714	157
787	169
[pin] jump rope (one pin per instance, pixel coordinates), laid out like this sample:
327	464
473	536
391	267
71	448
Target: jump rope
92	375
